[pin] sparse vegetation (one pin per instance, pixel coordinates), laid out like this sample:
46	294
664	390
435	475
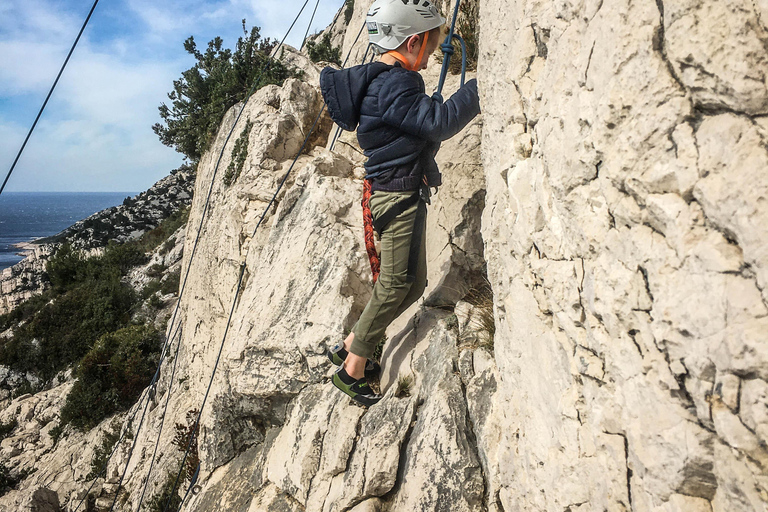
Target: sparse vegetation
239	154
404	383
171	283
151	288
108	440
323	51
349	10
379	350
186	434
481	329
8	481
152	239
159	501
111	376
7	428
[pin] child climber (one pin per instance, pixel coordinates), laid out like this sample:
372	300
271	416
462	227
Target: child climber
399	129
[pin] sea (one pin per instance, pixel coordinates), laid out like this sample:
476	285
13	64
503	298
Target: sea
26	216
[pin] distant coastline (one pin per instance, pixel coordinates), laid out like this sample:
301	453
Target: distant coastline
26	248
31	219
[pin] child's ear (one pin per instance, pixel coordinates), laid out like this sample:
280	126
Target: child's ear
411	44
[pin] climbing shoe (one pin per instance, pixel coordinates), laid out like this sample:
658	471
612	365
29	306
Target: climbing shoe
358	389
338	354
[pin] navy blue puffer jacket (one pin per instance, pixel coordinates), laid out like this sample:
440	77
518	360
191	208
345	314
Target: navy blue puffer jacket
398	126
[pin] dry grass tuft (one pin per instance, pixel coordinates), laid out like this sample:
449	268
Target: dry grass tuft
404	383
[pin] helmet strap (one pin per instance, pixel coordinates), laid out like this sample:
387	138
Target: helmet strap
421	51
399	56
407	65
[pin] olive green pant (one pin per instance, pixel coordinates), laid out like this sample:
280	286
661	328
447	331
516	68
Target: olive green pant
392	293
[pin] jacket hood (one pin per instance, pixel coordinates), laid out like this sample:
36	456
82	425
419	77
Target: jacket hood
344	89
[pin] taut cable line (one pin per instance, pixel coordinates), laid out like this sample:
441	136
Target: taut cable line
40	113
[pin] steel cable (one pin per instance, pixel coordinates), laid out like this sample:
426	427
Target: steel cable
40	113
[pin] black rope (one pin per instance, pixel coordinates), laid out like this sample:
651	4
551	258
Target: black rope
71	50
338	128
186	276
218	162
237	294
234	303
309	26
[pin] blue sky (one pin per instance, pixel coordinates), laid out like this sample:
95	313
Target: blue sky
95	134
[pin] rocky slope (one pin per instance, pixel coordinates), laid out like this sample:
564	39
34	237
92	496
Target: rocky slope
612	192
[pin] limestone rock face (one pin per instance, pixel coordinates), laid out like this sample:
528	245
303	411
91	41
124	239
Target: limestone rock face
624	231
25	279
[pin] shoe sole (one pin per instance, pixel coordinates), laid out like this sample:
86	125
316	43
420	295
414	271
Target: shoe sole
357	397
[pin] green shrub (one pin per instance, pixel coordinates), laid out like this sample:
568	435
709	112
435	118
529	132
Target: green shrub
186	435
171	283
349	10
323	51
219	79
155	302
100	458
150	240
167	246
9	482
112	375
156	270
404	383
151	288
158	502
239	154
65	267
7	428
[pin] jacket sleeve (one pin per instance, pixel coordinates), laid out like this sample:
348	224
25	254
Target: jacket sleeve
406	107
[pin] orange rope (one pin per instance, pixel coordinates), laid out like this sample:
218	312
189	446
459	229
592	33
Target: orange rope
370	244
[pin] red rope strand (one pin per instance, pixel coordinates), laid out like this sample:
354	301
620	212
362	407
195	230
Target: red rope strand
370	244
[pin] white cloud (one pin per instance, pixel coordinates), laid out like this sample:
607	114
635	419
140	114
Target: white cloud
96	132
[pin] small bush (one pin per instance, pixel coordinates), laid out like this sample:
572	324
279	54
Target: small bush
7	428
379	350
159	501
167	246
349	10
151	288
152	239
239	154
112	375
186	434
8	482
171	283
482	322
323	51
155	302
156	270
404	383
104	450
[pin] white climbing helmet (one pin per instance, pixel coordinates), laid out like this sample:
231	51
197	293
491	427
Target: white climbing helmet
390	22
